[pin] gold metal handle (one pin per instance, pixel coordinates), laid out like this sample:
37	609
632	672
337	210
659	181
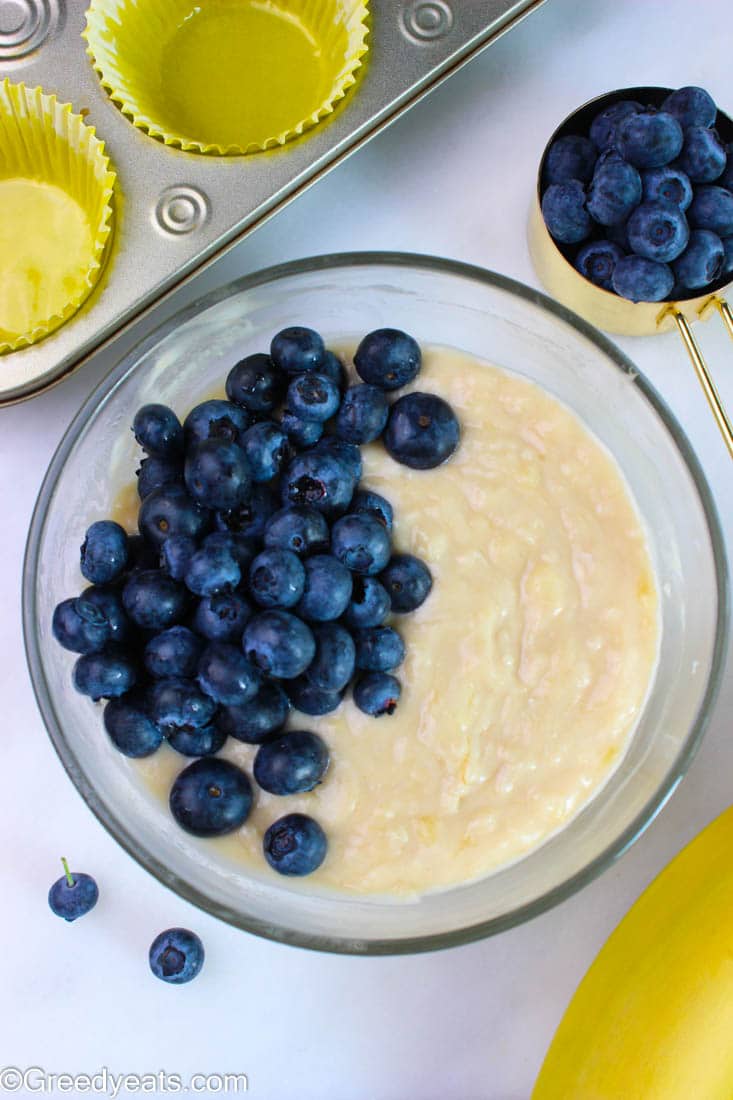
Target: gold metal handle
701	370
726	313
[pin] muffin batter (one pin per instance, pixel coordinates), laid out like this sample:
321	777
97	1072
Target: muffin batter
526	668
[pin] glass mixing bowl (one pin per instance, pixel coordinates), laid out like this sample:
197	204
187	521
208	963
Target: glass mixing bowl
494	319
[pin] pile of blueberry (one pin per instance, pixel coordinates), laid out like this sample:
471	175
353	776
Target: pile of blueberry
643	204
262	577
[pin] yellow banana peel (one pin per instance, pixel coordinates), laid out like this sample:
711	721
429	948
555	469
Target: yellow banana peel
653	1017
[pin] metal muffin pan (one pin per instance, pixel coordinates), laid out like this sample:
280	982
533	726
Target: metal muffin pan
176	212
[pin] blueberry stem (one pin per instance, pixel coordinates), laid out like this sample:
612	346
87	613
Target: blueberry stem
67	872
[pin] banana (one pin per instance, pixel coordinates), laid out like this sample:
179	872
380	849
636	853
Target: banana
653	1017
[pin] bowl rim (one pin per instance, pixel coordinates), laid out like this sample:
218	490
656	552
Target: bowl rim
105	389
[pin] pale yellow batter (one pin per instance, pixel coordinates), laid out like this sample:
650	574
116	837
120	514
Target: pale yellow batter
45	250
527	666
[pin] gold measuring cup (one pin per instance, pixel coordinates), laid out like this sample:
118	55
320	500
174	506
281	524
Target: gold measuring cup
608	311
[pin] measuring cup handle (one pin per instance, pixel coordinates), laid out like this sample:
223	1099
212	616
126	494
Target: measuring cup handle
701	370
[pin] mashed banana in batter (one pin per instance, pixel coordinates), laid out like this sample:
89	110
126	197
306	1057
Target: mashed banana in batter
527	666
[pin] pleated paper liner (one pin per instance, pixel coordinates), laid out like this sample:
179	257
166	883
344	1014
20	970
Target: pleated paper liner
227	77
55	213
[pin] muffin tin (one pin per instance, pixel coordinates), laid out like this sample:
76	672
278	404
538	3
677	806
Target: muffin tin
176	211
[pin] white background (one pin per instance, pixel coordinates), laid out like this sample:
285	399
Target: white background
454	178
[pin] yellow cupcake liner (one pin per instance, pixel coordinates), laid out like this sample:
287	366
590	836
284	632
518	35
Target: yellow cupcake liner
51	163
227	77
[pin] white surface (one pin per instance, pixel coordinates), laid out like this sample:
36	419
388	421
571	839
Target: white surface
453	178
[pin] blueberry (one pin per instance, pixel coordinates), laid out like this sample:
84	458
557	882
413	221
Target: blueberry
79	633
301	433
215	420
225	674
311	700
388	358
334	661
295	845
408	582
727	268
276	578
176	956
267	449
377	694
297	349
691	107
279	644
361	543
213	569
703	155
604	125
327	590
658	231
222	617
667	184
154	472
726	180
422	431
369	605
130	727
614	191
367	503
363	414
293	763
596	261
218	474
712	208
140	554
179	704
256	383
333	368
105	675
176	554
298	528
104	605
313	396
564	211
242	548
174	653
642	280
702	261
168	511
320	481
257	719
197	742
211	797
250	518
73	895
571	157
348	453
103	554
649	139
379	649
153	600
158	431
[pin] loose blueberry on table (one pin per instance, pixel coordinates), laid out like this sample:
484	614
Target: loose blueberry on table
263	579
642	205
176	956
73	895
